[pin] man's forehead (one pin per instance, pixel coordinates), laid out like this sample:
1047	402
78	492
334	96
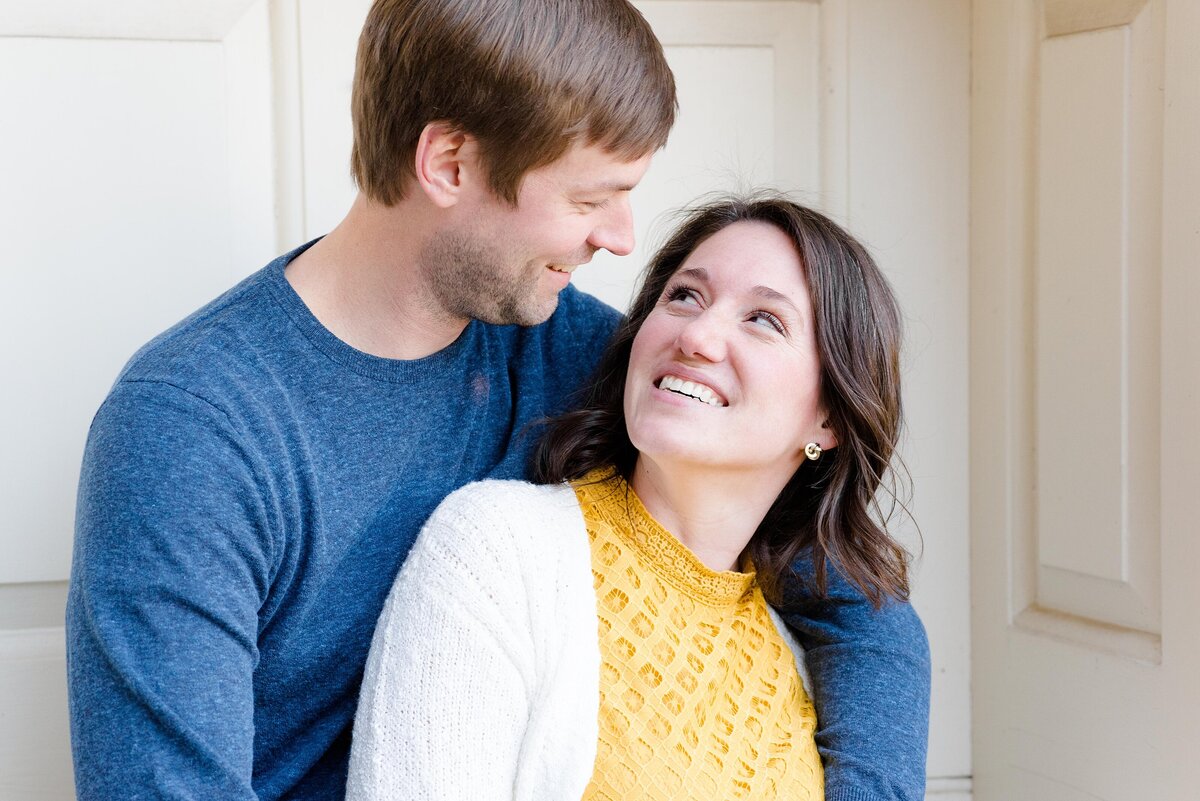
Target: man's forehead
589	167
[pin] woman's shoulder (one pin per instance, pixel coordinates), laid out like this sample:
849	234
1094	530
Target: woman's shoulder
510	505
507	524
506	495
511	553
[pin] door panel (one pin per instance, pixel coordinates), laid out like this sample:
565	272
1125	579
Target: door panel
1096	297
1083	394
121	164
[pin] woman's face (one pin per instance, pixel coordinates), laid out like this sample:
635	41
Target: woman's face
724	371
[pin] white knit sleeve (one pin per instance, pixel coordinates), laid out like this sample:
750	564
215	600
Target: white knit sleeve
797	649
446	695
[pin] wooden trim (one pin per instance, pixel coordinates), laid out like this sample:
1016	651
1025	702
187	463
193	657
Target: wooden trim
1061	17
179	20
26	645
291	213
834	88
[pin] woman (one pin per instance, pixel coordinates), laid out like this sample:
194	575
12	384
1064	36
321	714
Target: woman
745	412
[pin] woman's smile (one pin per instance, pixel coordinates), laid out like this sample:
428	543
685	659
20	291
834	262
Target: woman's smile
691	388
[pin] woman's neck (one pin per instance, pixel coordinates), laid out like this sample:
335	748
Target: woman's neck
713	513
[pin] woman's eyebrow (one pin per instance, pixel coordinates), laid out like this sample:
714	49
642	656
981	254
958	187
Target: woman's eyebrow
775	295
700	274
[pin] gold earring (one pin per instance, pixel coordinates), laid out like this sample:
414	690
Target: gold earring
813	451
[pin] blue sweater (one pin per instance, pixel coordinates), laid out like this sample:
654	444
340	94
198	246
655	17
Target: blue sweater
250	488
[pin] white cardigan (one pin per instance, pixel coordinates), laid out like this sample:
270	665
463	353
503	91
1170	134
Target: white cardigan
483	681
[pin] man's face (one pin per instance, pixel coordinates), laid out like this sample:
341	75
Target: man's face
506	265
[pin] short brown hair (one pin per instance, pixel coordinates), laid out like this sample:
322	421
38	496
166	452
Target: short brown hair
825	511
525	78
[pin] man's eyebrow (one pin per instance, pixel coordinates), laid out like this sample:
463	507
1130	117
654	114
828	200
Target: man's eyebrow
606	186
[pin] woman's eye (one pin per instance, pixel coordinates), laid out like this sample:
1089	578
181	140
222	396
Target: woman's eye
683	294
765	318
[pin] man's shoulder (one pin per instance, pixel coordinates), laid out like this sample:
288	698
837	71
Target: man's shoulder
229	350
208	338
226	367
568	346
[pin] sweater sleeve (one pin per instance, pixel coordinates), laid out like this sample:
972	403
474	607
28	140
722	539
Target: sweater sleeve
171	564
451	674
870	673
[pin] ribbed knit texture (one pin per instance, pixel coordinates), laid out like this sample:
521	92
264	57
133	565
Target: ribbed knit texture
482	683
699	693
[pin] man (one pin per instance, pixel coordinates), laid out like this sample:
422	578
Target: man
258	473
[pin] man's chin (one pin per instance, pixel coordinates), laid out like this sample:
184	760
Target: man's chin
528	314
544	311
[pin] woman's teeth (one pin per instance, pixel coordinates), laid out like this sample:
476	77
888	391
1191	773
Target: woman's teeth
691	389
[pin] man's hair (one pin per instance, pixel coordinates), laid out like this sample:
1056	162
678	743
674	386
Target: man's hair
526	78
825	513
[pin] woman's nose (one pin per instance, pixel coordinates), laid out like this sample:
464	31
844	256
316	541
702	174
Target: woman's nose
703	337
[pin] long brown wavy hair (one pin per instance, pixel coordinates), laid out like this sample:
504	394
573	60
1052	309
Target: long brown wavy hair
829	507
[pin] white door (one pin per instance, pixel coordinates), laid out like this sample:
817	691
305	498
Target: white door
1084	391
136	183
154	154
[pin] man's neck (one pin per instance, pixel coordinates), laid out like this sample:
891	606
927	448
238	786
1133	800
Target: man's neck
363	283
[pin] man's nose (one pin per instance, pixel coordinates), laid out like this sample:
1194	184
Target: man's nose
614	231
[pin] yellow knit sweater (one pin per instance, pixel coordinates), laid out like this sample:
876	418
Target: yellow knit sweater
699	694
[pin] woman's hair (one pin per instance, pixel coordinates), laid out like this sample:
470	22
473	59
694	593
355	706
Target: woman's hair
827	506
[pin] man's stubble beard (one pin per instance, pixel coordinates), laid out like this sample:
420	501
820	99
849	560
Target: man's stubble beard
471	281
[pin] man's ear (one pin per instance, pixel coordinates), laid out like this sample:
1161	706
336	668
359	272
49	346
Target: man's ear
445	158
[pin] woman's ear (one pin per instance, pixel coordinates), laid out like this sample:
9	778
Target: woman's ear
828	437
822	436
443	160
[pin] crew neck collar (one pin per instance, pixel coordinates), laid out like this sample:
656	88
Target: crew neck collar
369	365
605	495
